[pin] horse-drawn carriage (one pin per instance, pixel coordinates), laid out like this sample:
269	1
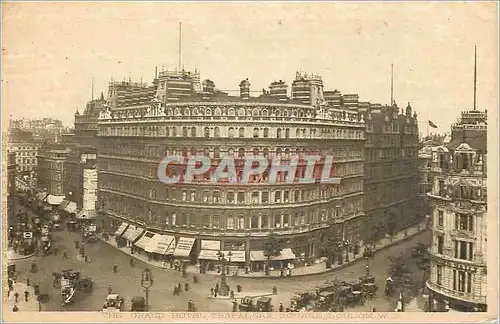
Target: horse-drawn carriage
138	304
246	304
113	303
264	304
302	300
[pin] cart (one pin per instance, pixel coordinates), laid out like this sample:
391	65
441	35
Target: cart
264	304
113	303
138	304
246	304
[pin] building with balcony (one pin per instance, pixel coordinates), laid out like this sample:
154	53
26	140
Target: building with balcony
426	175
25	147
200	218
459	201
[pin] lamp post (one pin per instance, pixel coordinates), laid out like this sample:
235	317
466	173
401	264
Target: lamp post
146	283
224	288
346	245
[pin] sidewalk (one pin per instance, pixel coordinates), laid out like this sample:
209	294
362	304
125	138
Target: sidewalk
316	268
30	306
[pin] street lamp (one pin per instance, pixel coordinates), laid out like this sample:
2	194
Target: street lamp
224	288
346	245
146	283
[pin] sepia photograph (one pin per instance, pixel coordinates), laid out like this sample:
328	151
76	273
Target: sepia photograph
249	161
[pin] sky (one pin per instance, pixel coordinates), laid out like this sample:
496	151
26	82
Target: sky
52	51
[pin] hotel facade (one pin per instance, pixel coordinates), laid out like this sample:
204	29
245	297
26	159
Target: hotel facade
179	116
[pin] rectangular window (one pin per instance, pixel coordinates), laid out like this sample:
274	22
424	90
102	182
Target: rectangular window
230	222
265	197
193	195
254	223
230	197
439	273
205	221
184	195
464	222
440	244
215	221
464	250
264	223
296	196
205	196
241	197
216	196
241	222
440	218
277	196
277	221
286	196
255	197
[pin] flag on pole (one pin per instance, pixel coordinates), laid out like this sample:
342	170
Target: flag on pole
432	124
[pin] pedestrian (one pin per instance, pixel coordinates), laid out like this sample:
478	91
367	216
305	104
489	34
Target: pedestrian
227	269
217	287
186	286
110	290
16	296
86	258
235	306
77	244
239	288
231	294
175	290
211	291
275	290
33	267
26	294
281	308
215	293
179	287
373	308
115	268
195	279
28	282
15	308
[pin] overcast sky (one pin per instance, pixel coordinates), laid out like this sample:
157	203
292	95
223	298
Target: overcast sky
52	51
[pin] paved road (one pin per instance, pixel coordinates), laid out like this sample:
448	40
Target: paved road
127	281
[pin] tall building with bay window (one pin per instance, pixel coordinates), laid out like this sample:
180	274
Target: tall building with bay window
459	201
179	116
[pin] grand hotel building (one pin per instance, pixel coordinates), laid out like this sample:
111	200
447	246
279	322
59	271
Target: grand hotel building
178	115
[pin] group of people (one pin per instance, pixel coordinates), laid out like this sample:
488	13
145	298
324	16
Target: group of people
178	287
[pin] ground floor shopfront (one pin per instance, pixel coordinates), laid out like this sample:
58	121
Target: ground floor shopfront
237	251
443	301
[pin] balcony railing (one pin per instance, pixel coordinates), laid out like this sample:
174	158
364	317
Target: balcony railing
465	296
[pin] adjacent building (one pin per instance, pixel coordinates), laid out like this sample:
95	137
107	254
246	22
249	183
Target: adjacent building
459	201
391	168
178	116
25	147
51	172
11	184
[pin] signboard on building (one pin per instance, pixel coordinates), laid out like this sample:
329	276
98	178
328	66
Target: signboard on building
87	156
28	235
210	245
89	189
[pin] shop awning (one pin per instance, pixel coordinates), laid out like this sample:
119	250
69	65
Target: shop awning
41	196
144	240
63	204
86	214
70	208
236	256
184	246
286	254
54	200
121	229
159	244
132	233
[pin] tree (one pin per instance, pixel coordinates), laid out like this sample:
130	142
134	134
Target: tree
272	247
331	245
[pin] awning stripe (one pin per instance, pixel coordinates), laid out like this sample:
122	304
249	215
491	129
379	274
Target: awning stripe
121	229
286	254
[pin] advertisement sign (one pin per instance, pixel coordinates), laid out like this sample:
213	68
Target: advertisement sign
210	245
28	235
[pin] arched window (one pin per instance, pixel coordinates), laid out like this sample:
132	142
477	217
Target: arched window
193	131
174	131
297	133
193	151
255	112
230	112
177	112
266	152
231	132
216	132
256	132
217	153
208	112
266	132
285	113
167	131
218	112
287	133
278	152
264	113
278	133
206	132
241	112
241	152
242	132
184	131
301	114
277	113
195	112
255	151
187	112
